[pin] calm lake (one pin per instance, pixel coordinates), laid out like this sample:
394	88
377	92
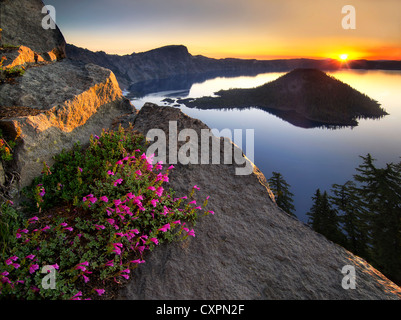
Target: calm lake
307	158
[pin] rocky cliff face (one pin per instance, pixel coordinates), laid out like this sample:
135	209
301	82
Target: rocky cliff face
21	21
62	101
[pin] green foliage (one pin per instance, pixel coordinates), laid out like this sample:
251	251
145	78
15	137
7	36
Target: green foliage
67	180
99	210
323	219
351	215
13	72
282	194
6	148
369	212
9	220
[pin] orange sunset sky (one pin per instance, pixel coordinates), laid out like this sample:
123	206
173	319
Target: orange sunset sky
261	29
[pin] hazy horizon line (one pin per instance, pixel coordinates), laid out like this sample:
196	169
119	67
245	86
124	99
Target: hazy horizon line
240	57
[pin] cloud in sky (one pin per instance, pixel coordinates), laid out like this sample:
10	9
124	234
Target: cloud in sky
221	28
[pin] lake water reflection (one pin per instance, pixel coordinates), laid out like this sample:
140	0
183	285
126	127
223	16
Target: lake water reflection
308	158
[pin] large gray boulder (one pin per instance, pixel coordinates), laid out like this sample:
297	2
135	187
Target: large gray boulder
69	102
250	249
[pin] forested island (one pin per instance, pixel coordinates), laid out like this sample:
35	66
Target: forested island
301	93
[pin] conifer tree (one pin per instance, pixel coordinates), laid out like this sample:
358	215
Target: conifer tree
323	219
351	217
282	194
380	190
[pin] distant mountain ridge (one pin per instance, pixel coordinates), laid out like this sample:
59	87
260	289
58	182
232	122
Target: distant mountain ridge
175	60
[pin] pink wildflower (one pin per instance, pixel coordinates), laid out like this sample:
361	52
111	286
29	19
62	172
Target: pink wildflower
154	202
196	187
33	268
110	263
159	191
118	181
86	279
154	240
137	261
192	202
76	297
69	229
138	172
110	173
33	220
152	188
104	199
100	291
170	167
165	227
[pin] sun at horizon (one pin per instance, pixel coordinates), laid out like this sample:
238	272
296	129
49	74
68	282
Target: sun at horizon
344	57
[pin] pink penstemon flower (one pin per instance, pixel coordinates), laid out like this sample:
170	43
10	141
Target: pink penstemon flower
100	291
76	297
154	202
118	181
159	191
33	220
189	232
33	268
138	261
104	199
165	228
110	263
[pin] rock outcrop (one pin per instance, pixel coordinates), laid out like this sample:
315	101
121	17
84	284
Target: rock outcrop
250	249
56	102
21	24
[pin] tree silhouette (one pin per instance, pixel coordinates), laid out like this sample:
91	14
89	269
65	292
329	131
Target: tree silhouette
282	194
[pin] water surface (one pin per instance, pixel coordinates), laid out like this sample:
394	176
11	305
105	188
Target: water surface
308	158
